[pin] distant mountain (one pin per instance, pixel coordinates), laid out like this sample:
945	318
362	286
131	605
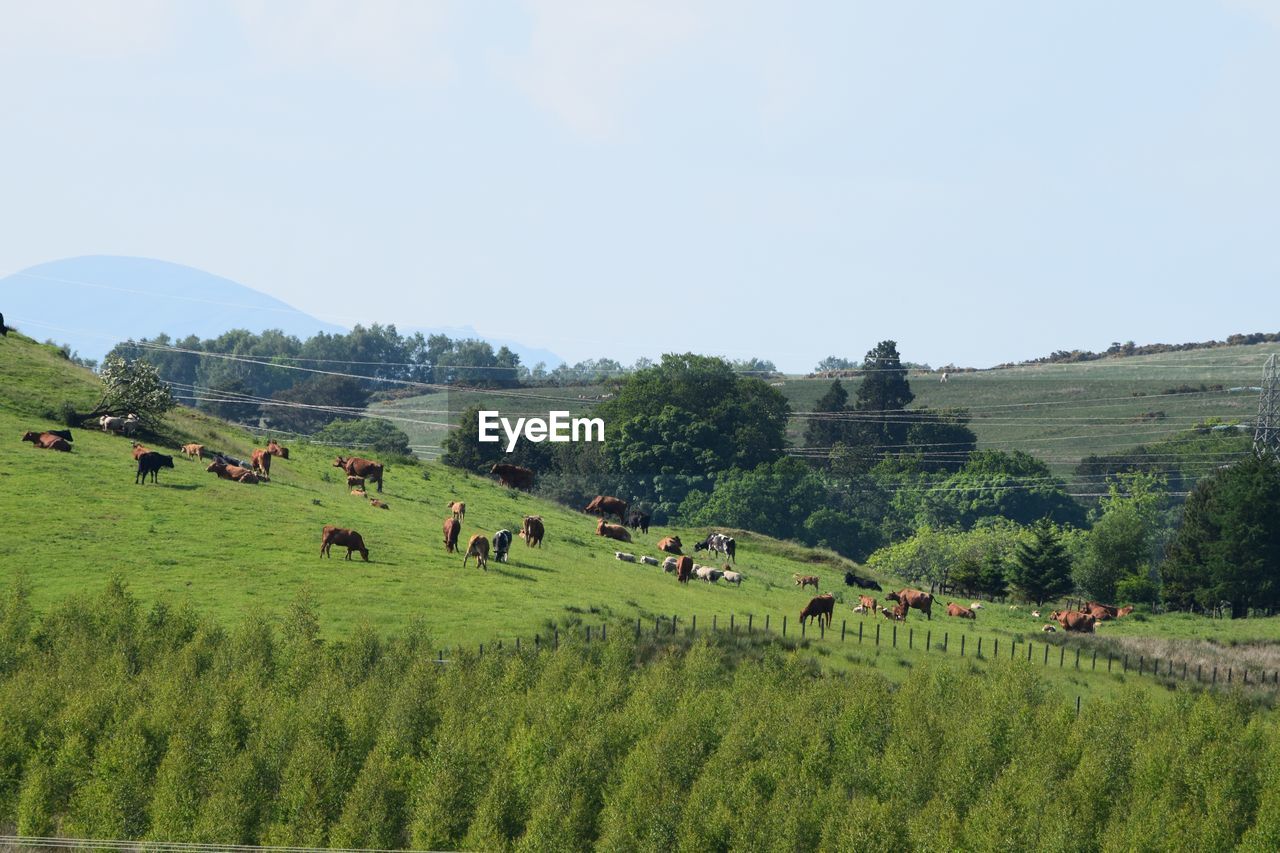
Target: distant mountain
94	302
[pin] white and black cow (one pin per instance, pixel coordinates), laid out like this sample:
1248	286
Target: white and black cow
720	544
501	545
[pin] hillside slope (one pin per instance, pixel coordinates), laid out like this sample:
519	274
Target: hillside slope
75	519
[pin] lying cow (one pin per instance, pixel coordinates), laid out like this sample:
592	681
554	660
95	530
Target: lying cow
960	611
1074	621
613	531
501	545
151	463
342	537
47	441
478	547
819	607
233	472
377	504
671	545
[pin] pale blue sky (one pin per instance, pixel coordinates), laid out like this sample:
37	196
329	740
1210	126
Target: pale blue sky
980	181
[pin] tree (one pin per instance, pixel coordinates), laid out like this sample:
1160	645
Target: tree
132	387
374	434
883	393
1123	541
830	423
832	363
774	498
1041	569
314	402
1228	546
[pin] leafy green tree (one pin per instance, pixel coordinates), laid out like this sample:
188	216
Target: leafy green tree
1124	539
370	434
882	395
1228	546
1016	486
132	387
843	533
1041	570
833	362
775	498
316	401
830	424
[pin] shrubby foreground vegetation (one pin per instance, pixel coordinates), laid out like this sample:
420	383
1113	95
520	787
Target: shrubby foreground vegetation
117	722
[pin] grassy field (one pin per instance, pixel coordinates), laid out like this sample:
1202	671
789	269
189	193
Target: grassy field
77	519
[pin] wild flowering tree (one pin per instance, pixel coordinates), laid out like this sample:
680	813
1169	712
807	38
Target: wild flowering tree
132	387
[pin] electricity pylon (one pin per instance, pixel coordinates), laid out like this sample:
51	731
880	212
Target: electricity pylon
1266	432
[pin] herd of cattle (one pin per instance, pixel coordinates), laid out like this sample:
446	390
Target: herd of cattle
361	472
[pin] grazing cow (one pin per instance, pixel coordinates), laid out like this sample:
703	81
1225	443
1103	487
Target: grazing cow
819	607
732	577
452	527
276	450
342	537
459	510
513	476
603	505
377	504
193	451
671	545
850	579
355	482
151	463
478	547
359	467
1124	611
1071	620
624	556
921	601
1049	629
806	580
684	568
47	441
960	611
649	561
533	531
613	531
669	564
638	520
868	603
501	545
359	493
719	543
261	462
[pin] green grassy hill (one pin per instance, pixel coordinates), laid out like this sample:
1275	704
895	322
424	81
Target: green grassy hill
232	549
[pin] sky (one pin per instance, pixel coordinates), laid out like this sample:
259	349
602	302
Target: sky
979	181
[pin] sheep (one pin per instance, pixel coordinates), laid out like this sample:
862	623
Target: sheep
624	557
649	561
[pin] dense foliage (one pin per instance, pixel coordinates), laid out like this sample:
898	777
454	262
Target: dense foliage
119	723
375	434
132	387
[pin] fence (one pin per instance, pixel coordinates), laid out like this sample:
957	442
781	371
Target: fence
1029	651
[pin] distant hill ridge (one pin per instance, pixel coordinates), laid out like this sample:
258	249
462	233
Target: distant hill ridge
1124	350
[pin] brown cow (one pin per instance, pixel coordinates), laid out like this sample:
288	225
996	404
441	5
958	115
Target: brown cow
47	441
360	467
193	451
459	510
613	531
891	614
276	450
478	547
261	460
921	601
1072	620
138	450
806	580
961	612
359	493
233	472
818	607
868	603
374	502
355	482
603	505
513	476
341	536
1091	606
684	569
1124	611
452	527
533	531
671	545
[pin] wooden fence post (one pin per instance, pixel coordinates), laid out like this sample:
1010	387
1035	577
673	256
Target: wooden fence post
1077	657
637	627
557	636
996	652
588	633
1141	660
911	638
1215	676
713	623
1062	656
802	629
784	626
962	645
750	623
694	623
517	644
1046	654
859	632
842	627
928	639
730	623
675	620
979	646
766	623
1095	659
822	629
945	644
877	633
604	632
536	646
895	636
482	650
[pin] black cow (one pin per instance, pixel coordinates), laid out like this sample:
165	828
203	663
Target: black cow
639	520
501	545
151	463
